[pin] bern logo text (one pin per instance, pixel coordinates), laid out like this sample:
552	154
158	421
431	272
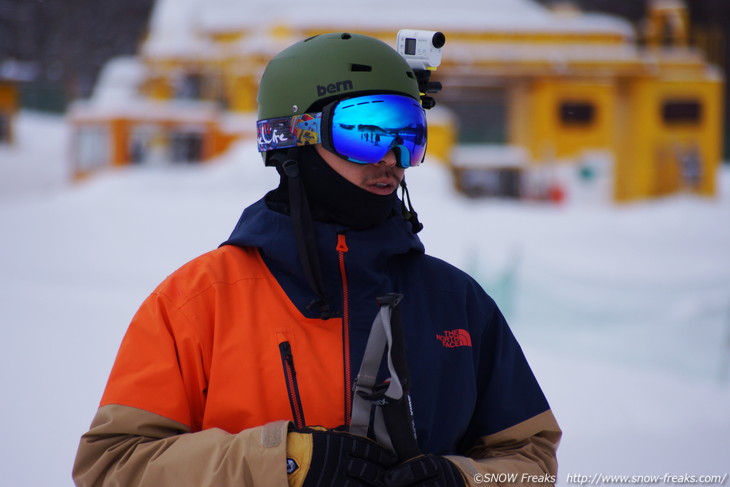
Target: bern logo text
337	87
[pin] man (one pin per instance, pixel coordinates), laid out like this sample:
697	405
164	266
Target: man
239	369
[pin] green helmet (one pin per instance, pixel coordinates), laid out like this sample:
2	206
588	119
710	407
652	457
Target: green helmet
310	73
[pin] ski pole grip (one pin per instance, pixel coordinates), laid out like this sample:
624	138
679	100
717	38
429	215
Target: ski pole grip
398	418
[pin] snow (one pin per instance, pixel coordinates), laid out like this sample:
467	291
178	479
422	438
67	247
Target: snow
623	311
117	95
137	108
490	155
119	81
556	54
181	26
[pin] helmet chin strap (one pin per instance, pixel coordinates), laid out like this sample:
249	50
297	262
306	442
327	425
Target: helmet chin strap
409	214
302	221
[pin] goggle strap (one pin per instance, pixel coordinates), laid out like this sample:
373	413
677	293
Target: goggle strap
286	132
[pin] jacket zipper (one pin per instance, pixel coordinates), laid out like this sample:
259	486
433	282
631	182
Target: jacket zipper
341	250
292	389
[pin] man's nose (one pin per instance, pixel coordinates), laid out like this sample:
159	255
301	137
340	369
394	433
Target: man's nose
389	159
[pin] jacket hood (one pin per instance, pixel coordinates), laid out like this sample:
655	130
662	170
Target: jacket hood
369	251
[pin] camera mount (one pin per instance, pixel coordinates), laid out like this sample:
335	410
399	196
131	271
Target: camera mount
422	51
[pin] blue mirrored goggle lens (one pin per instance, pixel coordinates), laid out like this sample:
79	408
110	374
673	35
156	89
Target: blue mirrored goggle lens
365	128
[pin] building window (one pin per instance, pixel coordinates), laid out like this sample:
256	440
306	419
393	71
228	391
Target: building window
577	113
481	114
681	112
92	145
497	182
148	144
186	146
189	87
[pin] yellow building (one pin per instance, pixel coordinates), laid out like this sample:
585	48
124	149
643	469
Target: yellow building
647	119
118	126
535	101
145	133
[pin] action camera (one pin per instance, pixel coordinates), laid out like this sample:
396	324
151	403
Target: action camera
420	48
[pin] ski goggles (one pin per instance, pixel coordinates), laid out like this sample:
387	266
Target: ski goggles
361	129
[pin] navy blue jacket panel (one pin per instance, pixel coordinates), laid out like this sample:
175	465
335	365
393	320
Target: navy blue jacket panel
469	375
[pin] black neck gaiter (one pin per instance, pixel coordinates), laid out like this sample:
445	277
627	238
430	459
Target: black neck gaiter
332	198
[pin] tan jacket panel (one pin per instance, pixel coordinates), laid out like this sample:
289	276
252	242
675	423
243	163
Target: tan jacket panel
129	447
527	450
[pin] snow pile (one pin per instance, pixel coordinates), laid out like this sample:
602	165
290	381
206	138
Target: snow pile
624	312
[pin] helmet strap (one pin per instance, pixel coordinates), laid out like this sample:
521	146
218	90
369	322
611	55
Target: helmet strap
409	214
302	222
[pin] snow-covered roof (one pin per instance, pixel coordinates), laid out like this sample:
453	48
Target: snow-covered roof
119	81
138	109
117	94
462	16
511	54
179	27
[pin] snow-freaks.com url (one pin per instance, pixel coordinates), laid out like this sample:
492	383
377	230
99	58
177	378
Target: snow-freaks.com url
670	479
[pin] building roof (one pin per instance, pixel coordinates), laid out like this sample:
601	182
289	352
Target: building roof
182	27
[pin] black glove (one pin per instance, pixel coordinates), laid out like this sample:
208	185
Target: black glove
425	471
332	458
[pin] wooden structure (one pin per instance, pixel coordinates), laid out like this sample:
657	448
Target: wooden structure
8	110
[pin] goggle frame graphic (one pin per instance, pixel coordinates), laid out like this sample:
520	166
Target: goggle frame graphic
355	129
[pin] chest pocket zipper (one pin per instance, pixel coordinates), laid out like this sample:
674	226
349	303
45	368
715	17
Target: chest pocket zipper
292	389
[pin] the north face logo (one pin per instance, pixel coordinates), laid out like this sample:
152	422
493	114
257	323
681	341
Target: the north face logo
455	338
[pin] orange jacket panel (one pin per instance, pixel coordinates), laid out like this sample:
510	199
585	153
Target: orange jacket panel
199	354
